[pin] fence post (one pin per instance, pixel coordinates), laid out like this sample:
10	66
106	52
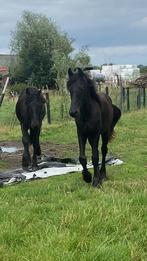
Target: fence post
139	99
144	97
3	91
121	97
62	111
124	94
107	90
48	107
128	99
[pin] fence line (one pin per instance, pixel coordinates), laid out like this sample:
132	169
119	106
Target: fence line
125	98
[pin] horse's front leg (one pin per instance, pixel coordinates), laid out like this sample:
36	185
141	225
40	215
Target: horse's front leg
26	158
82	158
36	146
94	141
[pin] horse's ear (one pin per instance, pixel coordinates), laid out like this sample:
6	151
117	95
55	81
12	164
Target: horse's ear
39	92
40	96
80	71
70	73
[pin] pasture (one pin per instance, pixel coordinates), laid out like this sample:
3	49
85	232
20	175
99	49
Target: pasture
63	218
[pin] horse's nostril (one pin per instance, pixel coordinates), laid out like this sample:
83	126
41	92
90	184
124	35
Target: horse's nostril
73	113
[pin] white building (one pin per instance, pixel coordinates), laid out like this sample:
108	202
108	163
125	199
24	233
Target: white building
96	74
127	72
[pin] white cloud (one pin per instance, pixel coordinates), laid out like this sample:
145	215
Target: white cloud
141	23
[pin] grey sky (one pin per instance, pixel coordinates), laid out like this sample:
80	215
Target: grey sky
114	30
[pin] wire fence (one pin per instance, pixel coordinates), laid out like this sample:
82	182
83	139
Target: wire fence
126	98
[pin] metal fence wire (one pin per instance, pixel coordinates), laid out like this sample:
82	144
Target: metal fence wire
126	98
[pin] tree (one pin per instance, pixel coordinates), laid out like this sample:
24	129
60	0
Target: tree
82	59
39	45
143	69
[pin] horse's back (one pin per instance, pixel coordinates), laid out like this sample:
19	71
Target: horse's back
26	96
20	106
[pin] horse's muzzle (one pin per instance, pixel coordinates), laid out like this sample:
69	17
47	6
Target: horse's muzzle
73	114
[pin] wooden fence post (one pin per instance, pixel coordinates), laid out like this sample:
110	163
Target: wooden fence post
124	94
62	111
128	99
48	107
121	97
144	97
139	99
107	90
4	91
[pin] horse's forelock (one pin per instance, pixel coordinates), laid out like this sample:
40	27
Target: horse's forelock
84	77
33	94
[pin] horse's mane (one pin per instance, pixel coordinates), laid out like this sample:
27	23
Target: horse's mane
31	94
92	89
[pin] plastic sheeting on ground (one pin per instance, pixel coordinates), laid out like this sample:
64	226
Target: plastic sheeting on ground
47	169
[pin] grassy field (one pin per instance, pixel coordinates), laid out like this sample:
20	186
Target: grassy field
63	218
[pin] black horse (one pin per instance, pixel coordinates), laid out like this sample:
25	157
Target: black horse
30	111
94	115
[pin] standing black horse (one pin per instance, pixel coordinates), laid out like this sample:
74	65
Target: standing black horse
30	111
94	115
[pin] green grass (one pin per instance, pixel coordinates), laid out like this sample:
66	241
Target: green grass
7	112
63	218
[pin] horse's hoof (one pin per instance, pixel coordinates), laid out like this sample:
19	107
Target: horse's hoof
25	168
104	178
35	167
87	177
96	183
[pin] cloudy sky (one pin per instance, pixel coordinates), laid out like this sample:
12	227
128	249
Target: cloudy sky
115	31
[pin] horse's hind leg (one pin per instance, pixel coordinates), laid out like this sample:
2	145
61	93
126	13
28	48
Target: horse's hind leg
104	150
36	146
26	159
82	158
34	135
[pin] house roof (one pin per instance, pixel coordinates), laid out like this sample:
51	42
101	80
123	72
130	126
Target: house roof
4	70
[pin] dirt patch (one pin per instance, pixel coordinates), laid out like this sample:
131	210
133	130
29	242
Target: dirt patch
13	160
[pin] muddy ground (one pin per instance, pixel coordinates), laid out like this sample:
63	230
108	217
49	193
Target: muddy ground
13	160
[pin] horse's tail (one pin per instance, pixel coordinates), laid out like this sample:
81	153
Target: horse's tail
116	117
